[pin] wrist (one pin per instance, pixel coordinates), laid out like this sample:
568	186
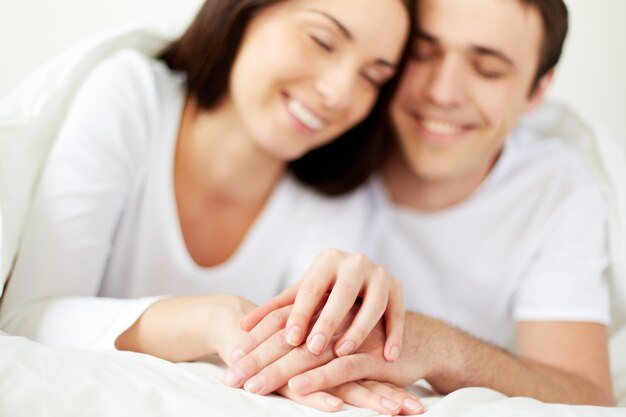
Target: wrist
428	347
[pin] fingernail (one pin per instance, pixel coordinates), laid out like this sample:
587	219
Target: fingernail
254	385
346	348
316	344
298	383
333	401
237	355
394	353
294	335
389	405
233	377
413	405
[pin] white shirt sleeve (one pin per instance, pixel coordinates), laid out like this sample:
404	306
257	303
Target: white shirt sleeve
565	281
52	294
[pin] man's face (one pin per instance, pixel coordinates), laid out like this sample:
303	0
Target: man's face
475	62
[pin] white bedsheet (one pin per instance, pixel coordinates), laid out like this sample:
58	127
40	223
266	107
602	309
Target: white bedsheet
38	380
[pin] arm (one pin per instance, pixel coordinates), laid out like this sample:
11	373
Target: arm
51	296
559	362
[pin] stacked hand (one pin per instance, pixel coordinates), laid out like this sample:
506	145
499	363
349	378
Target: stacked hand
344	333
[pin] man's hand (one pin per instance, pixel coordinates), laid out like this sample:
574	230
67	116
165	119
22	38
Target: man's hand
555	365
559	363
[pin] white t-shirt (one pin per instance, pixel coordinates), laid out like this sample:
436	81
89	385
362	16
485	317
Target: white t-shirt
103	240
528	245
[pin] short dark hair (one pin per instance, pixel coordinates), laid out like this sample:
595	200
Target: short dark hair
206	53
555	19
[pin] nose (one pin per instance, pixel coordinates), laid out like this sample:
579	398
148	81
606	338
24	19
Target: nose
336	87
445	84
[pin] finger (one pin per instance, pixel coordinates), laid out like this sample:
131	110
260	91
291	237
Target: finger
271	324
340	301
285	298
277	374
336	372
317	281
409	403
358	395
394	322
265	354
372	309
320	400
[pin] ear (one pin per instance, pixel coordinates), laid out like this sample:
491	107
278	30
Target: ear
539	93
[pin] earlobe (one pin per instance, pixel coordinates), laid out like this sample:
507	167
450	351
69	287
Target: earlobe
538	95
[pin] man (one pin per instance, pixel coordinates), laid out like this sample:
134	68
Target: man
490	229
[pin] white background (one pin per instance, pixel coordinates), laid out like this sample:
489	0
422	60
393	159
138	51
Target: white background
591	78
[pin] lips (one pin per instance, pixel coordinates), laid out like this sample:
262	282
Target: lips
305	116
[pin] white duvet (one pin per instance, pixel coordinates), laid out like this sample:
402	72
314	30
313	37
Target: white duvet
37	380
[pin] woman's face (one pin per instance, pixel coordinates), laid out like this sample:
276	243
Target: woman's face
308	70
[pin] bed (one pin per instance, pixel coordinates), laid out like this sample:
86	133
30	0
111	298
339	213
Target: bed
39	380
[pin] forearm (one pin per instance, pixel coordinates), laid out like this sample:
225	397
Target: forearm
181	329
457	360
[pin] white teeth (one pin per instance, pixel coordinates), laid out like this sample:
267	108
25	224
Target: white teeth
440	128
305	116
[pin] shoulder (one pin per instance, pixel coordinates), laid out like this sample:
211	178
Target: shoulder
124	101
132	76
549	166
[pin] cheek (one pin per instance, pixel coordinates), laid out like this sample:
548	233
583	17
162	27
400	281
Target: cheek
499	102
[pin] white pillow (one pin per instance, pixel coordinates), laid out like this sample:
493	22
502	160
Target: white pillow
32	114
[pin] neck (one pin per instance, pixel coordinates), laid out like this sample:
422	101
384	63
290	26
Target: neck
426	194
218	158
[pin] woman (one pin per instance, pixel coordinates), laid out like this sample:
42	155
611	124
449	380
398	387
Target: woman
172	176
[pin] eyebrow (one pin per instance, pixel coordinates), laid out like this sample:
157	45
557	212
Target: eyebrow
344	30
477	49
337	23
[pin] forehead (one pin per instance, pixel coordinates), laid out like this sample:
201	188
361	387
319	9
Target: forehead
373	17
504	25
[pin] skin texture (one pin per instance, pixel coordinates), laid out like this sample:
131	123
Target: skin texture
355	276
470	81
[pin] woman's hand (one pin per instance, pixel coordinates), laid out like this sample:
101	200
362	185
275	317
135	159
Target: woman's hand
343	278
187	329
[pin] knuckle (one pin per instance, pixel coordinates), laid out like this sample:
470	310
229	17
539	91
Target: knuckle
329	254
251	364
348	366
300	319
313	290
248	343
275	376
275	320
327	324
359	261
378	301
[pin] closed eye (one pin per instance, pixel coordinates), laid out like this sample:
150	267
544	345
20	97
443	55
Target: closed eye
377	75
322	44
